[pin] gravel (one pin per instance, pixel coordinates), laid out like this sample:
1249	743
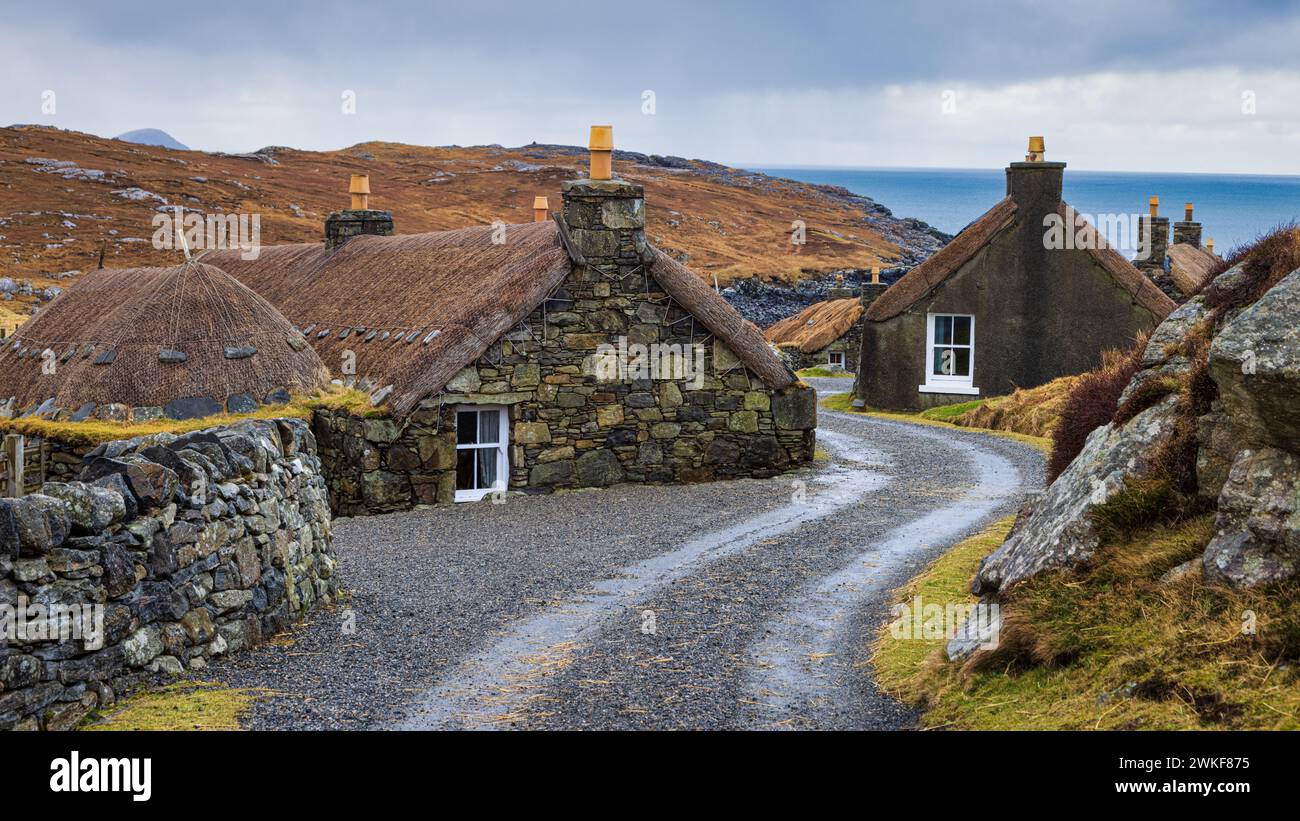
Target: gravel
531	614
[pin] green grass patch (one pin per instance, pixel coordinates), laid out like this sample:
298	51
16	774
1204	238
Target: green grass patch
184	705
843	402
900	664
1109	645
946	413
825	373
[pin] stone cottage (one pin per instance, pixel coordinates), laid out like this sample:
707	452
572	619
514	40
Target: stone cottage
568	352
827	334
145	343
1028	292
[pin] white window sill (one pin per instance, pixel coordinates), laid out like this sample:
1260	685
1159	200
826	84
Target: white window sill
475	495
966	390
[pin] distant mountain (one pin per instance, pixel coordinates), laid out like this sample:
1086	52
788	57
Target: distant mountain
152	136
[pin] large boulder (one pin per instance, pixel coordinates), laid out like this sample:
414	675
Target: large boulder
1258	526
1255	361
1059	532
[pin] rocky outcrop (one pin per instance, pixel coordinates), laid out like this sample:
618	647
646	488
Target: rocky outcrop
165	552
1059	531
1247	450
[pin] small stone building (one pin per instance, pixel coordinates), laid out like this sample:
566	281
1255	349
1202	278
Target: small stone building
827	334
146	343
564	353
1028	292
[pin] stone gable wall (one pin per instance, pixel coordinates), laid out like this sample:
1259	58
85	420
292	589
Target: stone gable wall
570	429
193	546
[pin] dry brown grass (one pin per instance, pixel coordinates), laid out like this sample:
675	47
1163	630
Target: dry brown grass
1267	260
728	230
1092	402
1031	411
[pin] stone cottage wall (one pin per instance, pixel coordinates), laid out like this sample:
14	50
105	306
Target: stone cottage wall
569	427
193	546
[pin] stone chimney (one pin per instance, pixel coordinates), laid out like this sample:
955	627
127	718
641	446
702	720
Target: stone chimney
1187	231
341	226
872	290
841	291
1153	239
1035	184
604	217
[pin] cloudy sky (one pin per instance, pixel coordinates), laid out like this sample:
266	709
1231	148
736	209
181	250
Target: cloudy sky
1152	86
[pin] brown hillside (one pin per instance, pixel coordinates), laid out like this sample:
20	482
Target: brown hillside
54	216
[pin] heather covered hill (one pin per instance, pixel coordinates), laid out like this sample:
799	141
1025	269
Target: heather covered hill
64	193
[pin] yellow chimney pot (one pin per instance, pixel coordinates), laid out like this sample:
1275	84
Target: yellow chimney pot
541	209
359	188
1154	203
1187	212
875	274
602	152
1209	245
1036	150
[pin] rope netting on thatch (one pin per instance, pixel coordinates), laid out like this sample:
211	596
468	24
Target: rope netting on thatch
816	326
408	310
143	337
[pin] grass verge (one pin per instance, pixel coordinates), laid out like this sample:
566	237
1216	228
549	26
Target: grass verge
843	402
95	431
1109	646
184	705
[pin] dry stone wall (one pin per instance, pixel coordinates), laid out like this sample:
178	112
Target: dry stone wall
164	552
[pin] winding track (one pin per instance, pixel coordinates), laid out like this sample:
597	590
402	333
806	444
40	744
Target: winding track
764	597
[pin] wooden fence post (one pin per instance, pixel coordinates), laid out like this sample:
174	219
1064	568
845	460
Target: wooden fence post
13	451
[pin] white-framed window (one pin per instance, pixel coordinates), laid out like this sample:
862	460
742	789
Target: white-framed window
482	460
835	359
950	354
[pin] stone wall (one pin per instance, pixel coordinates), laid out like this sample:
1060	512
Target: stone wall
192	546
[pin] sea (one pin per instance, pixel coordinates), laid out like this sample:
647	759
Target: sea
1233	209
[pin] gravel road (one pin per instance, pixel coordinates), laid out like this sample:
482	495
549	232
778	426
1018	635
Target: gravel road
742	604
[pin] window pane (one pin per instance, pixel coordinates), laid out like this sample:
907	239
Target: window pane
487	467
465	469
466	427
942	330
962	361
961	330
943	362
489	427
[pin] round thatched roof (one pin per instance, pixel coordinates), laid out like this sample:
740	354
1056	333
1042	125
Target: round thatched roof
190	339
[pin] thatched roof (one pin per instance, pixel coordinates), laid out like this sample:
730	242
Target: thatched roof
1190	266
143	337
416	308
927	276
816	326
